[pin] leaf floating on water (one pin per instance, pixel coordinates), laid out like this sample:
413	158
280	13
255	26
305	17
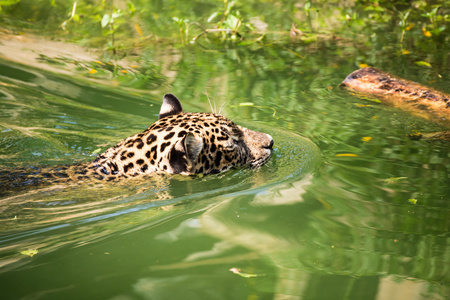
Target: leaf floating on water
412	201
415	135
370	99
29	252
346	155
97	151
393	179
242	274
423	64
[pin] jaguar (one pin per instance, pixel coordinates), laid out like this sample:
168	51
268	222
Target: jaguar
178	142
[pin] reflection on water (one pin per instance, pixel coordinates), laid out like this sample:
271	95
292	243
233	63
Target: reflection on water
370	221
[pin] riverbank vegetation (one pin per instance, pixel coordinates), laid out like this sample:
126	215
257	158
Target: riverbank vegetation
136	30
89	20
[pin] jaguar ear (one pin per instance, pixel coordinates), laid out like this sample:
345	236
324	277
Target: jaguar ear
193	145
171	106
189	147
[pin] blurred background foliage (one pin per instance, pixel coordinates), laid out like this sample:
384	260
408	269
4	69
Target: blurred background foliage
269	38
242	22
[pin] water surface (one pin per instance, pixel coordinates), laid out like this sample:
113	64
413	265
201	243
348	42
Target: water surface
347	208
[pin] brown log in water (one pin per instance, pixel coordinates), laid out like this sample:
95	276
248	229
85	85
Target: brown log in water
398	92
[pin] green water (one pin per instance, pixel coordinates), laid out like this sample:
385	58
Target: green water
331	215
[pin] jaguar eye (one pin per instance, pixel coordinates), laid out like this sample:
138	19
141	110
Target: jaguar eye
230	132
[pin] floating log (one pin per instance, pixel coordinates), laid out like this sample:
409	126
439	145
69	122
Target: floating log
398	92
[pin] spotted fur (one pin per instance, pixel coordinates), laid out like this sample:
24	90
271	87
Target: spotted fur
177	143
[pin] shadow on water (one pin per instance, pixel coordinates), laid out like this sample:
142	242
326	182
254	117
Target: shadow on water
360	219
